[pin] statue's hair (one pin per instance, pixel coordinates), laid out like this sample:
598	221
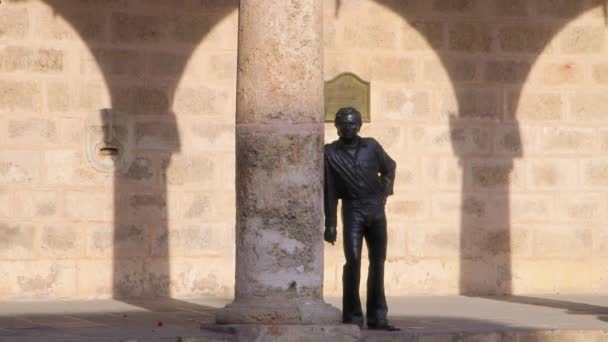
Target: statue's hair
343	112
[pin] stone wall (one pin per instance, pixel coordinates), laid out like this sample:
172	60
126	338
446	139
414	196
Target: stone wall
495	111
496	114
160	221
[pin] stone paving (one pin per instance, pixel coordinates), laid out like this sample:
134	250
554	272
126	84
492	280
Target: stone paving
583	318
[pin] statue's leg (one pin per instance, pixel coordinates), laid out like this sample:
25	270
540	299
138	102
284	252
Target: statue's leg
376	239
353	238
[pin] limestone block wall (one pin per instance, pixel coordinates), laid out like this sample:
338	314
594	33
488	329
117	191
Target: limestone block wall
495	111
164	224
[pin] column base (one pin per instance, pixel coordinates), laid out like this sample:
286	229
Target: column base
317	312
280	333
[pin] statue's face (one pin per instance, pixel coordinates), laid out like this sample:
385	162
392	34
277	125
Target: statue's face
349	126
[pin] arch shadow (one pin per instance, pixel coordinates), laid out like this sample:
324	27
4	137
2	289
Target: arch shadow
479	116
488	64
131	42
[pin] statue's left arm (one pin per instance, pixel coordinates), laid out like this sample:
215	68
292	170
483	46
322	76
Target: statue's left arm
387	170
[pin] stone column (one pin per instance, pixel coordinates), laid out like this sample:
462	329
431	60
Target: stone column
279	173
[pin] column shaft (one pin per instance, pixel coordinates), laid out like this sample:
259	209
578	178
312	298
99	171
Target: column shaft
279	154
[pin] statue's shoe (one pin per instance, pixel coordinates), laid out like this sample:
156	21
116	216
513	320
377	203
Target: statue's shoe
384	326
355	322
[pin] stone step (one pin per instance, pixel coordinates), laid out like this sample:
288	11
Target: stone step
328	333
486	336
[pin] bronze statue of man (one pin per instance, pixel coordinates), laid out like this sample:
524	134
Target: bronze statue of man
360	173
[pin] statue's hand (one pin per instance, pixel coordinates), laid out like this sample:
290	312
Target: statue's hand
330	234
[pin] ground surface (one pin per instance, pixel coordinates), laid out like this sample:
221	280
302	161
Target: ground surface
166	320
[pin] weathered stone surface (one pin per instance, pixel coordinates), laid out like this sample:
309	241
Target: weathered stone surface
36	203
20	96
125	240
73	171
507	71
15	58
48	61
73	24
516	8
59	96
455	6
279	144
394	69
522	38
600	73
280	57
423	35
202	101
460	139
558	8
91	96
552	173
14	23
278	333
370	35
535	106
492	174
583	39
189	275
157	135
469	37
61	241
118	62
473	103
589	107
509	140
19	167
141	100
263	311
426	60
39	279
284	165
400	105
88	205
192	170
458	70
129	28
558	139
434	241
595	172
32	131
18	241
563	73
409	208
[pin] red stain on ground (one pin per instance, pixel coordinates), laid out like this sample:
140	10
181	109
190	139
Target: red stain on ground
275	331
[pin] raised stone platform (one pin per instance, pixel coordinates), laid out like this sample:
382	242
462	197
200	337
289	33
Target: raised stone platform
423	319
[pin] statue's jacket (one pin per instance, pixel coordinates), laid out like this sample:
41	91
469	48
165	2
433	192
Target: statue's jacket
368	174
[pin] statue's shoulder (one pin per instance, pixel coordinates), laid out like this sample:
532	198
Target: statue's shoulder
370	141
331	146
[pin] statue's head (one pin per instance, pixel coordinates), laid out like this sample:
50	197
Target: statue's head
348	122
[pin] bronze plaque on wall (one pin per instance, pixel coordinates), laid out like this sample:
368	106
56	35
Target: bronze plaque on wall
347	90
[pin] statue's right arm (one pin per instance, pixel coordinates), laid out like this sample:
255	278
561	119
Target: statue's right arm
330	203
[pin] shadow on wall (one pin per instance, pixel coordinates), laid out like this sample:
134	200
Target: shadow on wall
141	50
488	65
477	55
